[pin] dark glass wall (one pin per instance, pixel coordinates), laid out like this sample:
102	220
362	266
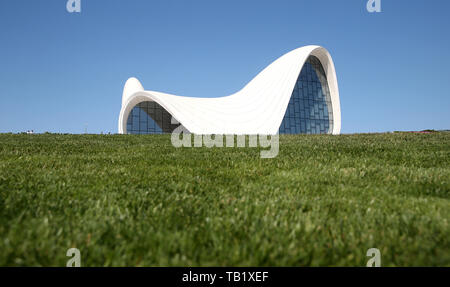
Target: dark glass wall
309	110
149	118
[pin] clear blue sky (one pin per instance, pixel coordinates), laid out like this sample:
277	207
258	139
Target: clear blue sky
60	72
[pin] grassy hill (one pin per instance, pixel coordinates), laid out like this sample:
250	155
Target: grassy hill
138	201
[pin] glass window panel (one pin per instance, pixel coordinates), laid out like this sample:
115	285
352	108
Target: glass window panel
309	109
149	118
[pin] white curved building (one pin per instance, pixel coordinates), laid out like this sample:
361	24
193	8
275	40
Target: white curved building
297	93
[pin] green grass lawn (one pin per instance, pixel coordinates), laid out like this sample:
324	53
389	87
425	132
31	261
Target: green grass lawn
138	201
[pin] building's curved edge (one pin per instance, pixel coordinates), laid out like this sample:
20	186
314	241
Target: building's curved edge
327	62
135	99
131	87
237	113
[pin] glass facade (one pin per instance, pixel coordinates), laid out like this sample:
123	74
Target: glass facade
149	118
309	110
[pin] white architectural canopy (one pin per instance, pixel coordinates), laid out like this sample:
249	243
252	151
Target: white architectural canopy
258	108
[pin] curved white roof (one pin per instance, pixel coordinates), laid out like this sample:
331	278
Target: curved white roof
258	108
